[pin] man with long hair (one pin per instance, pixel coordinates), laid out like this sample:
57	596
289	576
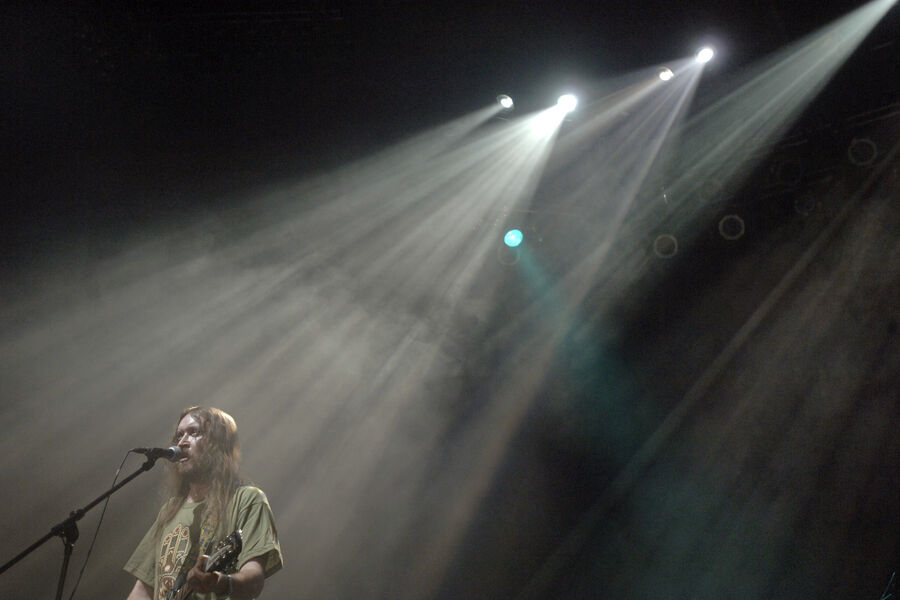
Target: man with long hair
207	503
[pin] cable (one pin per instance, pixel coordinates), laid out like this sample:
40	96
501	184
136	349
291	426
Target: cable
97	531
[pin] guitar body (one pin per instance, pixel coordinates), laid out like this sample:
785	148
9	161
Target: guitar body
222	558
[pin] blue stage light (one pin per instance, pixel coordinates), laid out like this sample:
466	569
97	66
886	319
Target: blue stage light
513	238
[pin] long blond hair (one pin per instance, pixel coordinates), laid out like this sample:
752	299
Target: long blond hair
222	449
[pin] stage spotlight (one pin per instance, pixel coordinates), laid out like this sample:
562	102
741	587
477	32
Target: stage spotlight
666	74
512	238
665	246
731	227
705	55
862	152
567	102
505	101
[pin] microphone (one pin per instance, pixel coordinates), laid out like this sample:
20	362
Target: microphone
172	453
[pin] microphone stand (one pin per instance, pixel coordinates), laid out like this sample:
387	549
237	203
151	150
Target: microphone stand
68	530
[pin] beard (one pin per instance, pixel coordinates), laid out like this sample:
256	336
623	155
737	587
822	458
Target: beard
198	468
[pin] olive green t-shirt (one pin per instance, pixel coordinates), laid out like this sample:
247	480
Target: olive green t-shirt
158	562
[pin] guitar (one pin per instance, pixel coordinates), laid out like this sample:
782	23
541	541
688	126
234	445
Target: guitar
222	558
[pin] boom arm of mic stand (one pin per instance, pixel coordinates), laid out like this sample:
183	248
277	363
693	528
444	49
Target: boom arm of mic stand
68	530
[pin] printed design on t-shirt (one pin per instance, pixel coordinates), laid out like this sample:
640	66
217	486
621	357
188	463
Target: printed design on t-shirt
173	550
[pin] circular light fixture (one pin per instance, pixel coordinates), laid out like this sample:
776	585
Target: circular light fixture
731	227
665	245
505	101
513	238
567	102
666	74
862	152
705	55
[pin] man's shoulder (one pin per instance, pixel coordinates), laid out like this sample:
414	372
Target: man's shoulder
249	493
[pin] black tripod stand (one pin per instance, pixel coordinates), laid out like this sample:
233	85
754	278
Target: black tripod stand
68	529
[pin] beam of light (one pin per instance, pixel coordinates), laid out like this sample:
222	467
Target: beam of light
546	322
322	315
728	139
600	182
721	143
612	175
623	142
546	123
617	171
800	322
632	475
391	235
621	97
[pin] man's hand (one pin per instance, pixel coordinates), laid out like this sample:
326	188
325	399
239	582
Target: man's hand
199	580
246	583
